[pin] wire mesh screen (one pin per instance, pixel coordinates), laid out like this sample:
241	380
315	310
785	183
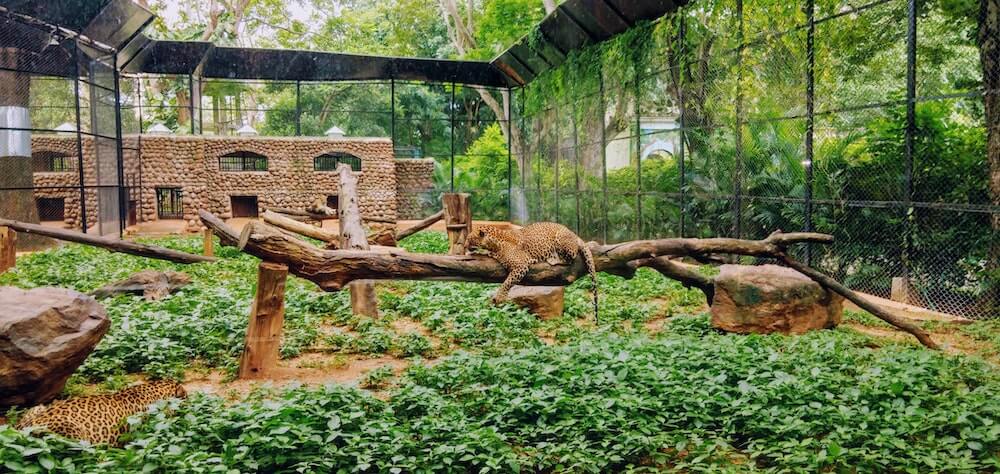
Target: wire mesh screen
737	118
60	134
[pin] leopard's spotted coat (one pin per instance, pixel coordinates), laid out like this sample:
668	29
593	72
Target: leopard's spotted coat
99	418
518	249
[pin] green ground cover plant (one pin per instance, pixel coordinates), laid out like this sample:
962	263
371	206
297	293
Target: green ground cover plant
509	393
687	399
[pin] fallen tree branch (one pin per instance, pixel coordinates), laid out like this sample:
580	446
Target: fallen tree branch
332	240
109	243
419	226
675	271
333	269
901	323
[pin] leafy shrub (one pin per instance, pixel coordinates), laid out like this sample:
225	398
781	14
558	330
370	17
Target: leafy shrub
822	402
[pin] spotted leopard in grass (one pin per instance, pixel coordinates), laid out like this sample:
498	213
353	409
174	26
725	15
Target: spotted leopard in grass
99	418
518	249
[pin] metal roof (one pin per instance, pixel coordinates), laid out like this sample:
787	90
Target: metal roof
112	23
187	57
576	24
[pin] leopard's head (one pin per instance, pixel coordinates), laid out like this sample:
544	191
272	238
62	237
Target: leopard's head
482	240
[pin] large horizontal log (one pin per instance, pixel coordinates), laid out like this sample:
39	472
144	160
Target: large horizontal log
109	243
333	269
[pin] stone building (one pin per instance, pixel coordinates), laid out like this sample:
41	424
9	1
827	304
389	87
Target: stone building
175	176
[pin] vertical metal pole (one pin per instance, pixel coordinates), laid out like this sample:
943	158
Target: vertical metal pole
525	158
810	120
392	112
576	166
604	159
510	134
298	108
79	138
680	99
557	154
122	202
190	101
138	90
911	129
738	156
452	137
638	157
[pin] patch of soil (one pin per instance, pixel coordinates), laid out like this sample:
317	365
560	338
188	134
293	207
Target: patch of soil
309	369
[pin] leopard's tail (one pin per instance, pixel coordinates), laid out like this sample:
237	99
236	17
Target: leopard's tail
588	257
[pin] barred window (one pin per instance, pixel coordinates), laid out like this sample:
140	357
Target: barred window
243	161
51	161
330	161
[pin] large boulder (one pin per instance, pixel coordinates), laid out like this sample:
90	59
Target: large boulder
546	302
45	334
151	284
769	298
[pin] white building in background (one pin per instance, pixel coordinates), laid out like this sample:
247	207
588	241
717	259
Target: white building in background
657	135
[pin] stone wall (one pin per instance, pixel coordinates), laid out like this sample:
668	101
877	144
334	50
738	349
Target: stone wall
414	178
191	163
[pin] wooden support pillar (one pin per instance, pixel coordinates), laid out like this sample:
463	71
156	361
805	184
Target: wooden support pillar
457	219
267	315
354	237
8	248
209	243
901	290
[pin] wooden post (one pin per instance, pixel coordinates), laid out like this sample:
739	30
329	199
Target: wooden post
209	243
267	315
901	291
8	248
457	219
353	237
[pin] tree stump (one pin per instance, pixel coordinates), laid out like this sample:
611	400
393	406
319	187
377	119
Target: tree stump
457	220
267	315
8	248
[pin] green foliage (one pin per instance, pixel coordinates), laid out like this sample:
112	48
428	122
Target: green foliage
204	323
690	400
377	379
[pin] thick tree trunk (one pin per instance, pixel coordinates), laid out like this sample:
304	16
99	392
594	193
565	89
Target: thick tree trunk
989	53
267	316
109	243
353	237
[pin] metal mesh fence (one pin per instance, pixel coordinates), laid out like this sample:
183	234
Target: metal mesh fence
737	118
60	131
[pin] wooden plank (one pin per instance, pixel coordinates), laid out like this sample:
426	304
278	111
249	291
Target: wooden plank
267	316
109	243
